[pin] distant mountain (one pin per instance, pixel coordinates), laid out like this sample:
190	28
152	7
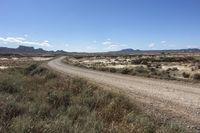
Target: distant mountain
189	50
27	51
132	51
60	52
127	50
24	50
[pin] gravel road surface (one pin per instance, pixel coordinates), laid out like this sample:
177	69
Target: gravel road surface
180	98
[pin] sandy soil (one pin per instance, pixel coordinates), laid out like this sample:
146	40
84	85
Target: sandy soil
3	67
4	58
41	58
180	98
125	66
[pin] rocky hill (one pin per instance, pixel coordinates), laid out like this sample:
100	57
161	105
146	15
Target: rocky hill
27	50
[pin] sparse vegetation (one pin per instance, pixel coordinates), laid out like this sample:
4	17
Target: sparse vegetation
125	70
186	75
113	70
21	60
170	66
36	100
196	76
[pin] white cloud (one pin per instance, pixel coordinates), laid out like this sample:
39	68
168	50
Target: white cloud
107	43
23	41
163	42
151	45
113	46
12	39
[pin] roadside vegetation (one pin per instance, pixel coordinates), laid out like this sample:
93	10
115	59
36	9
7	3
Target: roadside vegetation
11	61
171	67
34	99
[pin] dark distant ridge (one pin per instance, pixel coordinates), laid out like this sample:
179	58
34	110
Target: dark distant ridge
27	50
132	51
127	50
22	50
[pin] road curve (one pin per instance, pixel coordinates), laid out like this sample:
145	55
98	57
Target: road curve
178	97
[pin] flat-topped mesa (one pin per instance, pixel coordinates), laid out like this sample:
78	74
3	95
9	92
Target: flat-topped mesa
25	48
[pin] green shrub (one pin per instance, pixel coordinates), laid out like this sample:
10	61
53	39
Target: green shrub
186	75
113	70
21	124
165	74
30	68
10	110
41	110
10	84
50	75
39	71
81	119
118	107
169	69
58	98
77	86
174	69
141	69
87	98
8	87
196	76
125	71
104	69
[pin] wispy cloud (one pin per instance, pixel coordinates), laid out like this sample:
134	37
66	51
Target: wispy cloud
113	46
163	42
110	45
151	45
23	41
107	43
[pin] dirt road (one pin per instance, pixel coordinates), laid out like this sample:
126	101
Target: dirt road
179	98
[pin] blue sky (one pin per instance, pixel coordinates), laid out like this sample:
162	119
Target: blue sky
100	25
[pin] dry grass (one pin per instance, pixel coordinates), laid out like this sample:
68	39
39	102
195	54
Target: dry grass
20	61
33	99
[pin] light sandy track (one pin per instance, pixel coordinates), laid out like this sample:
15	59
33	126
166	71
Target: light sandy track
178	97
